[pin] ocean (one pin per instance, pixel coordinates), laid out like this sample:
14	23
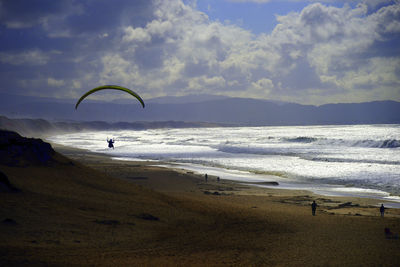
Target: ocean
350	160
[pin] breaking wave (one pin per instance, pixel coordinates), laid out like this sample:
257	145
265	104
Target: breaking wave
388	143
251	150
322	159
301	139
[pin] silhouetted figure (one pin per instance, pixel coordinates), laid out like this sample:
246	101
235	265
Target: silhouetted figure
110	143
218	179
206	177
313	207
382	210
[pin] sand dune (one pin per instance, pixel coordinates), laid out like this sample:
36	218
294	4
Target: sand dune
86	209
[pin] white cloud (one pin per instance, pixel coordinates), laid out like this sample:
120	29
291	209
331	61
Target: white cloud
116	70
30	57
209	84
54	82
136	35
263	84
250	1
321	54
315	55
76	84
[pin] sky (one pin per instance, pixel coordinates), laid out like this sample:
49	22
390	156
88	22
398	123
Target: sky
308	52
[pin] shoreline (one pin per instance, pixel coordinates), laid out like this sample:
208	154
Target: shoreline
274	182
354	176
364	199
353	205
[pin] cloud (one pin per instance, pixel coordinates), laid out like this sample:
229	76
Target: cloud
212	83
250	1
136	35
321	54
262	87
26	14
29	57
69	18
321	45
308	53
373	4
54	82
313	54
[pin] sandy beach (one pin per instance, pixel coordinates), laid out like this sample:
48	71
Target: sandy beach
88	209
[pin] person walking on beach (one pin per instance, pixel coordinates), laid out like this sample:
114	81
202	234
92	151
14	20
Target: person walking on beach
206	177
313	207
382	210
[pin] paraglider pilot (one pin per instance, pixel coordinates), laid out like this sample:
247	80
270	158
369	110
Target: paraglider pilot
110	143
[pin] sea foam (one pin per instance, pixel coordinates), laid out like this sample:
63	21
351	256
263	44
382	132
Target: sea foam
357	156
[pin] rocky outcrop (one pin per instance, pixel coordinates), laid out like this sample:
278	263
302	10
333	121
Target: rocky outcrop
16	150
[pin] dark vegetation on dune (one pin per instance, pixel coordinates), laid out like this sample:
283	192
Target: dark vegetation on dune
5	185
16	150
19	151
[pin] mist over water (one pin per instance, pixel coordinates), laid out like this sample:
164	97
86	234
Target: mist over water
326	159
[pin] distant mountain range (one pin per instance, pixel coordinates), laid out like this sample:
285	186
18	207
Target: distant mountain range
201	108
43	128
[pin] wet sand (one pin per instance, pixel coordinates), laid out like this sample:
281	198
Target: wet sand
87	209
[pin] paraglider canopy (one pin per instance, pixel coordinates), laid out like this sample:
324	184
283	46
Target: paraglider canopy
114	87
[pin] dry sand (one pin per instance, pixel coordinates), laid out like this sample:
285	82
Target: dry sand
87	209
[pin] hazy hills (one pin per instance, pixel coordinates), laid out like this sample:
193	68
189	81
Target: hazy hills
43	128
202	108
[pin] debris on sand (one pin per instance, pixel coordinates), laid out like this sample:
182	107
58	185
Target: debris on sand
347	204
9	221
147	217
107	222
